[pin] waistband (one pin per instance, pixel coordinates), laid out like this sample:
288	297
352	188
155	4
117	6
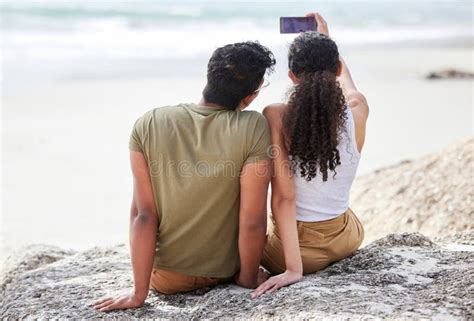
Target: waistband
328	227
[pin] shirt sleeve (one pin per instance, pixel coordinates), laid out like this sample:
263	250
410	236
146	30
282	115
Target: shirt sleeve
259	142
136	143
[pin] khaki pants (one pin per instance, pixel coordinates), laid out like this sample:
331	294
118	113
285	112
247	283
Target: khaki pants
321	243
169	282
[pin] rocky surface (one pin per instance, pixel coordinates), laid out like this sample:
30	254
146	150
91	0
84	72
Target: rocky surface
30	258
433	195
398	276
401	275
450	74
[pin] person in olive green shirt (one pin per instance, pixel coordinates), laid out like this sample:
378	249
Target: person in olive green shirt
201	173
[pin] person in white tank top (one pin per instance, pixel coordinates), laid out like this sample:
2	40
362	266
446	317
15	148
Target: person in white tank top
317	138
319	200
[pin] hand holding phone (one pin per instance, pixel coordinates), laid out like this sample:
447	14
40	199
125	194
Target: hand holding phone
321	24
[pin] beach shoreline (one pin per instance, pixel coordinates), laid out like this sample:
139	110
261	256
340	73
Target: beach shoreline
73	136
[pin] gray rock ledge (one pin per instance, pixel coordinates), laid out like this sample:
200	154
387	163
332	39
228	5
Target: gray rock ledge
398	276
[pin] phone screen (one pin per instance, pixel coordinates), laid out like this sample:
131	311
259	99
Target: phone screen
297	24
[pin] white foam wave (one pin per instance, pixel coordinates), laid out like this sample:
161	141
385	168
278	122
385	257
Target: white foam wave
116	38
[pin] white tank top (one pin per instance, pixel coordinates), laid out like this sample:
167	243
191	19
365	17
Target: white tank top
320	201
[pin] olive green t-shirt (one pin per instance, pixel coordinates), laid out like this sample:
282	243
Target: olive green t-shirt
195	154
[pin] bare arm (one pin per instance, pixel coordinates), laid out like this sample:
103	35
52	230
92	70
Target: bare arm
254	182
353	95
357	101
283	207
143	227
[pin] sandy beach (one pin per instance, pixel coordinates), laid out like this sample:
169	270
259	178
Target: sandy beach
66	174
76	75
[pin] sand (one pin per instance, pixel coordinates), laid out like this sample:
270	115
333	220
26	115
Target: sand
66	178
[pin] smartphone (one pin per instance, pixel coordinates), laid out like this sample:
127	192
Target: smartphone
297	24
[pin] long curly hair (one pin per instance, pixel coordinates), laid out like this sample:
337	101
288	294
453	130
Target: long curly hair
316	113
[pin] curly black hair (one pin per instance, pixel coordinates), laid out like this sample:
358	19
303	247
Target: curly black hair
316	112
235	71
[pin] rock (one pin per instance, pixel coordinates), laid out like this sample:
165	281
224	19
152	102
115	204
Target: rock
29	258
432	195
462	238
403	275
450	74
398	276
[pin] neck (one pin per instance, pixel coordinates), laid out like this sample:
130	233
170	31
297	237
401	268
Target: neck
203	102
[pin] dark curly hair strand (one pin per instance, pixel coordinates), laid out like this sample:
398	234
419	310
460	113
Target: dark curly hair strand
316	112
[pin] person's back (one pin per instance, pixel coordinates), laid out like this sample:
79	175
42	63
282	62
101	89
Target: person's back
195	154
318	200
200	182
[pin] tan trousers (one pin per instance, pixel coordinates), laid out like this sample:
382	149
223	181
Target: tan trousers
321	243
169	282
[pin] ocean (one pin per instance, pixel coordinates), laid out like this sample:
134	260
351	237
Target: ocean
53	40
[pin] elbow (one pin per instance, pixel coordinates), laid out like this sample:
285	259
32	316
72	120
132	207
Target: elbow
145	217
279	201
284	205
256	225
356	98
